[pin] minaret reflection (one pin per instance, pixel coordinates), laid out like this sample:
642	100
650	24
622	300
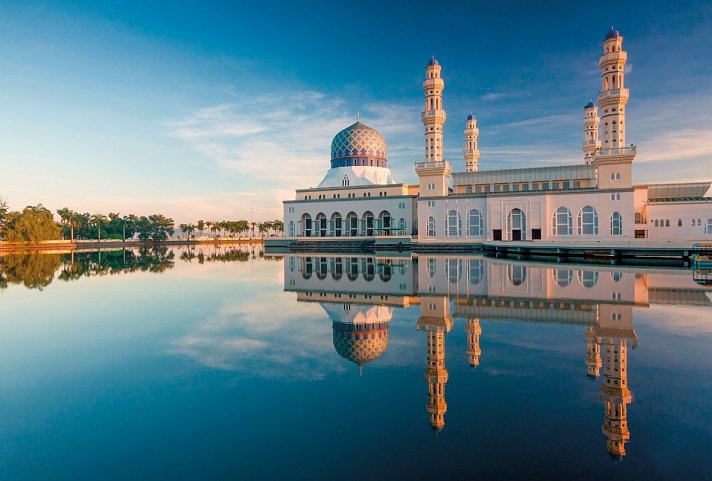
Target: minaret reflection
611	335
435	319
473	331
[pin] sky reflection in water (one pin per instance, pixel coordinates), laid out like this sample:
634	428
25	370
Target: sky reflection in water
223	364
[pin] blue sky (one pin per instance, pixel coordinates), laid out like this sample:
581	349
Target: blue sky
209	109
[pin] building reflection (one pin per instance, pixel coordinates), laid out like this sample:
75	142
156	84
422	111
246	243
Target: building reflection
360	293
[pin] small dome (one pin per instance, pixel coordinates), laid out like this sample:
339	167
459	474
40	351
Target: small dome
433	61
358	144
360	343
612	33
590	105
469	117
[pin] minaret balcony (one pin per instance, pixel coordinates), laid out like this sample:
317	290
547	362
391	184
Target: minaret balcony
613	95
442	167
626	151
434	116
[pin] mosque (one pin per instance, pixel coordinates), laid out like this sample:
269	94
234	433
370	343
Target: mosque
361	294
594	199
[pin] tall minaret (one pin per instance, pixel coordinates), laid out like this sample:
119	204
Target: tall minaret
472	151
614	330
433	115
614	159
613	95
590	130
593	353
473	342
435	319
434	173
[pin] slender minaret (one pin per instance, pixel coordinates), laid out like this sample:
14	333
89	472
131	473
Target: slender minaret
591	144
615	395
434	173
593	353
473	342
613	96
435	319
433	115
472	151
614	159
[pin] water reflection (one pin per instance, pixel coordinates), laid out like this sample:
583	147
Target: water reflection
599	299
38	270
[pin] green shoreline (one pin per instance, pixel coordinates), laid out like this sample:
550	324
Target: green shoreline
14	247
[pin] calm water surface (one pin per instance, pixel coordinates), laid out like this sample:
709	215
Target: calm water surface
225	364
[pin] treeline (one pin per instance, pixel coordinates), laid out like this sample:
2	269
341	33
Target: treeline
37	223
230	228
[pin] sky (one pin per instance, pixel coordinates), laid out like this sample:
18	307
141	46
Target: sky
219	110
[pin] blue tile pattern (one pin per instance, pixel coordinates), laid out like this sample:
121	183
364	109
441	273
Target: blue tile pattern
358	144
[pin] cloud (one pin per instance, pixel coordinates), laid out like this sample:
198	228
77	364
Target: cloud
678	145
292	341
283	139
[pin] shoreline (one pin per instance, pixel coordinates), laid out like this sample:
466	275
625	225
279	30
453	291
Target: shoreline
68	246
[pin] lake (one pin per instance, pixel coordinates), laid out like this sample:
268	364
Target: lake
225	363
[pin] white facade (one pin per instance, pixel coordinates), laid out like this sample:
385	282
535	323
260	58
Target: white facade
593	200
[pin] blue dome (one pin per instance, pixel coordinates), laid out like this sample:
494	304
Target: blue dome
590	105
433	61
358	145
469	117
612	33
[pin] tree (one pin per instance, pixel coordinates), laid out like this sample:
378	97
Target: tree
263	227
97	220
4	209
129	226
33	224
201	226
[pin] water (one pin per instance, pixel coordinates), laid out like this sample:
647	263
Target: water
224	364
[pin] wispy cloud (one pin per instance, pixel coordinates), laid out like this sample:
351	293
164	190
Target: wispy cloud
282	139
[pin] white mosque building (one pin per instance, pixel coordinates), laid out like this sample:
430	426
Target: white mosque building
591	200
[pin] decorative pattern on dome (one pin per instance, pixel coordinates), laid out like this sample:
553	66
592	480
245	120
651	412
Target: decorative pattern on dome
360	343
358	144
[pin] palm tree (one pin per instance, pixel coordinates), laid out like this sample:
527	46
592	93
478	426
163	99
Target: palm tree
201	226
98	219
262	228
253	225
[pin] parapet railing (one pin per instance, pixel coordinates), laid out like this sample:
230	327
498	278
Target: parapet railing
432	165
632	149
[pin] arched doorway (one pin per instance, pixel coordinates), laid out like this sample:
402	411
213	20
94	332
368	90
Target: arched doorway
384	221
516	225
320	230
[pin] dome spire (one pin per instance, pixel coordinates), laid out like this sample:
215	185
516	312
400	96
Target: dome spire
358	116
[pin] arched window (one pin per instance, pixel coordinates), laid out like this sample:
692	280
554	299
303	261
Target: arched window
588	278
563	276
616	224
431	226
432	267
337	268
352	224
322	268
454	224
291	228
475	223
638	218
320	225
352	272
454	270
657	223
307	267
616	276
306	225
384	221
336	225
517	274
368	223
516	224
588	221
476	269
345	181
561	222
709	226
369	271
679	222
667	222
